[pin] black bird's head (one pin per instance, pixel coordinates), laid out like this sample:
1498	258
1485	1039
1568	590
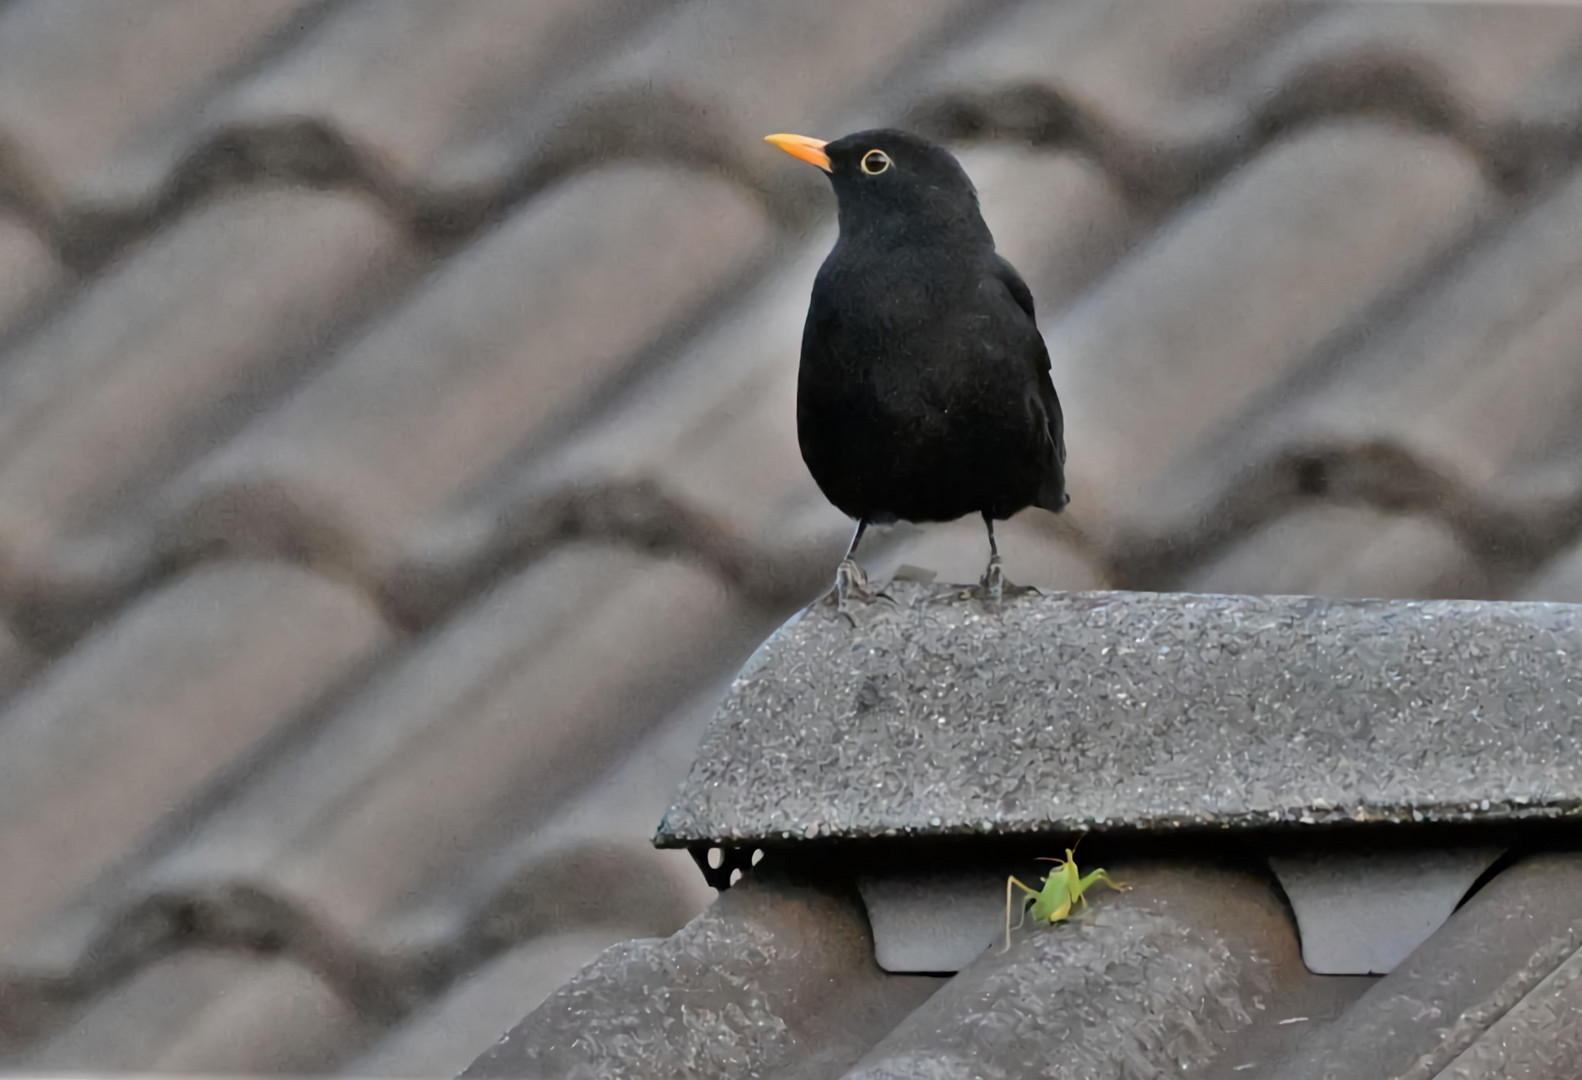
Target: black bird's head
890	182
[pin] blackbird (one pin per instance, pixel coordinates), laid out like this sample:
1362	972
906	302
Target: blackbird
924	392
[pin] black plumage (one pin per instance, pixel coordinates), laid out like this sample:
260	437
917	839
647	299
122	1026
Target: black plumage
924	392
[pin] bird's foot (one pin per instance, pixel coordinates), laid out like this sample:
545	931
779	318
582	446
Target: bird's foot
993	585
993	581
851	585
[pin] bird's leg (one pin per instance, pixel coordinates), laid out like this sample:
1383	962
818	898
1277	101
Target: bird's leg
850	581
993	581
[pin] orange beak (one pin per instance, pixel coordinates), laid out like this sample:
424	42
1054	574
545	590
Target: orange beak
802	148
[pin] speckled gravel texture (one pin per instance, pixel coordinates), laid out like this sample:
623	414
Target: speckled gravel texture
1147	983
945	714
774	979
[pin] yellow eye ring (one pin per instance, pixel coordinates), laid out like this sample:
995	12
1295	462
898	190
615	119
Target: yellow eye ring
875	162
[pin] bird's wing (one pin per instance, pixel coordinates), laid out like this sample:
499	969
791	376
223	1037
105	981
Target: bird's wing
1038	356
1013	281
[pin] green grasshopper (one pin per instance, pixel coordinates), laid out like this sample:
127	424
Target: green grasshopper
1063	886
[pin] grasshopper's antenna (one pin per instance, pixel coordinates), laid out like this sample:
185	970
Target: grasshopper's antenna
1071	852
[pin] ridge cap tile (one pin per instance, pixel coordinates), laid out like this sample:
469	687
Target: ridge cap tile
1125	711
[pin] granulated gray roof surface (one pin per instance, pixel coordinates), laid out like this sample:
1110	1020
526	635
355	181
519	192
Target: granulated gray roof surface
938	715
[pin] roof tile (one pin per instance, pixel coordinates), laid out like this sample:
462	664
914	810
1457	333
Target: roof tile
1334	215
29	270
131	1024
405	82
584	866
707	388
172	349
1560	581
1490	994
521	328
209	1013
1329	550
427	699
276	1019
18	662
1130	712
773	975
1466	998
609	813
476	773
114	739
1485	59
1153	71
367	870
1478	376
79	97
1055	216
712	77
464	747
1172	971
446	1037
1445	407
1169	98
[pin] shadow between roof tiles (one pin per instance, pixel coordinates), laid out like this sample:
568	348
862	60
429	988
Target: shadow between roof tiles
383	984
1392	85
1512	535
50	607
20	191
312	152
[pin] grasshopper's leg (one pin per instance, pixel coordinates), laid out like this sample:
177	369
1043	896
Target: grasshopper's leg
1008	883
1100	875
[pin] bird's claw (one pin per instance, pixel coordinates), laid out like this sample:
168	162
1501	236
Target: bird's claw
851	583
993	581
994	587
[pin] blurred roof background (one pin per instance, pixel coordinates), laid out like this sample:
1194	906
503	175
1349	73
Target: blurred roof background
397	449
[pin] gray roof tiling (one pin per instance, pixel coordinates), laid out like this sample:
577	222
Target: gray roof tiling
1216	281
154	709
173	347
409	87
1447	404
509	335
432	761
1193	971
79	99
1561	579
1340	550
775	978
159	1019
29	270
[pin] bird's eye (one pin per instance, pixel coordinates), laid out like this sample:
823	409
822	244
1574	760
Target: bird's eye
875	162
